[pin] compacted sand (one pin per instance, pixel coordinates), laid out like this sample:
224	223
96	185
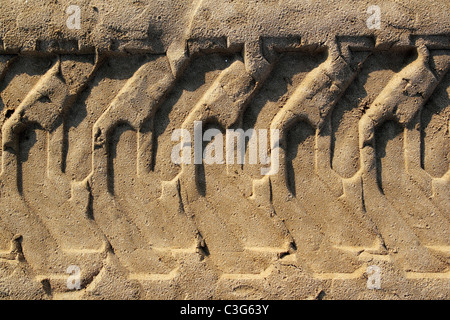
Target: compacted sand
344	188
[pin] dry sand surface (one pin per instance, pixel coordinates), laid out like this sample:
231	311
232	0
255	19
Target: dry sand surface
350	201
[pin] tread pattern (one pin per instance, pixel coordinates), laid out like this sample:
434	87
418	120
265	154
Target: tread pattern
86	176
